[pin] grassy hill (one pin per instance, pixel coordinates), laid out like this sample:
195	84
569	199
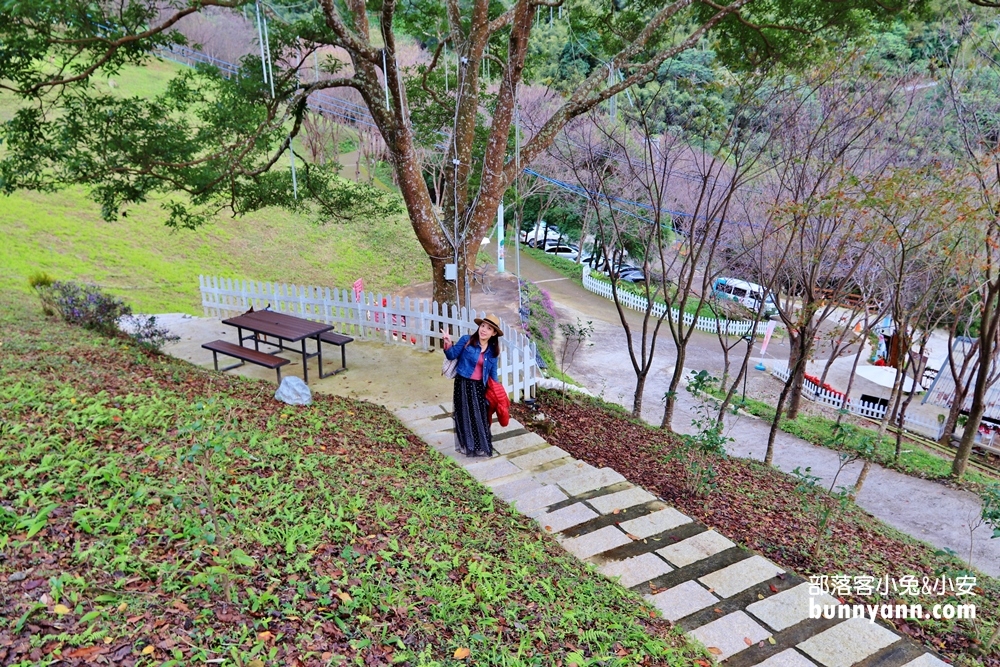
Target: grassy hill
157	269
155	513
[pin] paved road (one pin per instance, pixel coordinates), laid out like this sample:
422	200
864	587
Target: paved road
927	510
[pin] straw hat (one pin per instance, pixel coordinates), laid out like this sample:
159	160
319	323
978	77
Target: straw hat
493	320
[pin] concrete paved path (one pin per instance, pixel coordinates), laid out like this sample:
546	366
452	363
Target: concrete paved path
744	608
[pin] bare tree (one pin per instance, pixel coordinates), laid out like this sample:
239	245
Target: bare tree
322	136
917	245
915	253
963	367
371	151
221	33
613	188
724	165
978	125
816	234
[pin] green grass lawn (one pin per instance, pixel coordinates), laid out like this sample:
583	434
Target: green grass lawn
156	269
158	513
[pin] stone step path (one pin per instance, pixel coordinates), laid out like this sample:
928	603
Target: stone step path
745	608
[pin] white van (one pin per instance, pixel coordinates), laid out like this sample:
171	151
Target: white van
747	294
541	234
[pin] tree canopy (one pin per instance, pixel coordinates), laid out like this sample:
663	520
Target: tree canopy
213	141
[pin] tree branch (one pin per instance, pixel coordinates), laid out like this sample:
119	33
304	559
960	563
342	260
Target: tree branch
423	80
357	46
113	47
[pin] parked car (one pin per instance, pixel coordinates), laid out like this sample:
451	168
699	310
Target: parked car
604	266
567	250
621	271
599	263
544	244
632	274
541	233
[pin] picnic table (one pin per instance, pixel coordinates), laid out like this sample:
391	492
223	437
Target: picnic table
283	328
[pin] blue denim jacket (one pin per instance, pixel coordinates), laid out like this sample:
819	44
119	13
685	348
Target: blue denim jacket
470	357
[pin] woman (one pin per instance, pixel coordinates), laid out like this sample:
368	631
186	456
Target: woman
477	362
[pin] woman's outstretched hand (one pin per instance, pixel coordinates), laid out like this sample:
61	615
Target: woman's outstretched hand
446	340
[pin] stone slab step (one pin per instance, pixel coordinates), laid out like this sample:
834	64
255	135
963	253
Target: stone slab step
717	588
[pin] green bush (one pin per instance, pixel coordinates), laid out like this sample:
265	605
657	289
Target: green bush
40	279
42	282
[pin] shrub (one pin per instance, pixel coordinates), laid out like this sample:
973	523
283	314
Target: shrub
42	283
146	332
91	308
40	279
87	306
538	318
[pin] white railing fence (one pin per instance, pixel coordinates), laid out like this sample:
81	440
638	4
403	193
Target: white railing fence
374	317
638	302
913	423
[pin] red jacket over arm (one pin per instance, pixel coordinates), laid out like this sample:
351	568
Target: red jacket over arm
496	396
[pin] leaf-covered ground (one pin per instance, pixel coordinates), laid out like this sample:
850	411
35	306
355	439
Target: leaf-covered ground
773	514
155	513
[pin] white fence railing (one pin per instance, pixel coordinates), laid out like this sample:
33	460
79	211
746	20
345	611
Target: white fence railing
374	317
912	423
638	302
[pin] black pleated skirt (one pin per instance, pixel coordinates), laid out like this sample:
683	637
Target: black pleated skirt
472	429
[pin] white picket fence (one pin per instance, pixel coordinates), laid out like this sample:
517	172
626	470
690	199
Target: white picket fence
375	317
912	423
637	302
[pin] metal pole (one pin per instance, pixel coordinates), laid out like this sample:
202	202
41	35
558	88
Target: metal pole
613	102
270	69
260	40
517	230
385	77
500	239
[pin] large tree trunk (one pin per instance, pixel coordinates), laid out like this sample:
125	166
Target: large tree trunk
797	369
962	378
423	218
976	412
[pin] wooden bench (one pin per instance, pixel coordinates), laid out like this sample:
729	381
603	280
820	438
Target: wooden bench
334	338
244	354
